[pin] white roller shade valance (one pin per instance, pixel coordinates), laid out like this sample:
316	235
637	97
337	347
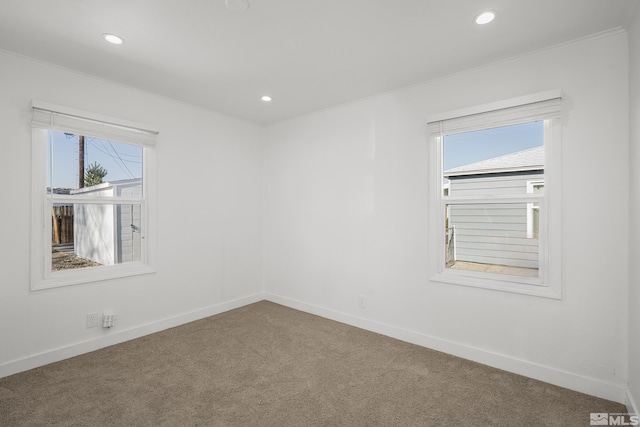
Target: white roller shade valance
543	106
64	119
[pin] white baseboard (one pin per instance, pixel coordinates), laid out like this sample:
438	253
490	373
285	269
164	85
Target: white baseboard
615	392
610	391
118	336
632	407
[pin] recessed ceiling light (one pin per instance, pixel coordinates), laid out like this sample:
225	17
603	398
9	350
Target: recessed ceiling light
266	98
485	17
239	6
113	39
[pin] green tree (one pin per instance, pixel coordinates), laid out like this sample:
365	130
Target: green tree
94	174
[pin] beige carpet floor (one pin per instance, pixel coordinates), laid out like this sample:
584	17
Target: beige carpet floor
268	365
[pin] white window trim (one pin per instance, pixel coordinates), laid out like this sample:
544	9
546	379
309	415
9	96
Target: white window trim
530	206
549	282
41	275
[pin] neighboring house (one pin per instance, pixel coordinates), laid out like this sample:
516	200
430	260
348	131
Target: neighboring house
108	233
496	233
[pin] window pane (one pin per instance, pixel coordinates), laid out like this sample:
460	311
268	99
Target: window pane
491	237
91	235
83	165
538	188
494	161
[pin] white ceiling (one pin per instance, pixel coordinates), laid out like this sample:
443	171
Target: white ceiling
306	54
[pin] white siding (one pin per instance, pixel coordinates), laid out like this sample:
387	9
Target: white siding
94	228
93	232
492	185
493	233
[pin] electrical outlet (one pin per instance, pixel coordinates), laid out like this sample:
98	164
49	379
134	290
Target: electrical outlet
92	320
108	319
361	301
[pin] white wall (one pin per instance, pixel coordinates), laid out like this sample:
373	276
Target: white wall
634	197
209	213
346	217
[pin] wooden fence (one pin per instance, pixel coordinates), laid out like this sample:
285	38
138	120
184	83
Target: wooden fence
62	225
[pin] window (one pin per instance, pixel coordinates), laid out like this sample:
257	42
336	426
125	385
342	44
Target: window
495	195
533	210
92	188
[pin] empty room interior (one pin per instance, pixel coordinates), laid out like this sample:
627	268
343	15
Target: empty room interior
359	212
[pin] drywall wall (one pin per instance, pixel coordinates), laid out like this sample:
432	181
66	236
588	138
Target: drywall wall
346	232
634	213
208	212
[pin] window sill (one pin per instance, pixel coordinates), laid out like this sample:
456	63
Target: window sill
58	279
498	282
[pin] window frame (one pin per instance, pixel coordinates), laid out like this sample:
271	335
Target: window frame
549	280
531	185
42	276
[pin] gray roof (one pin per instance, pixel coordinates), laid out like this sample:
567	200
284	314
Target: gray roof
527	160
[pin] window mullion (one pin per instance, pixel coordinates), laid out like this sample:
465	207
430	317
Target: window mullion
117	200
503	198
